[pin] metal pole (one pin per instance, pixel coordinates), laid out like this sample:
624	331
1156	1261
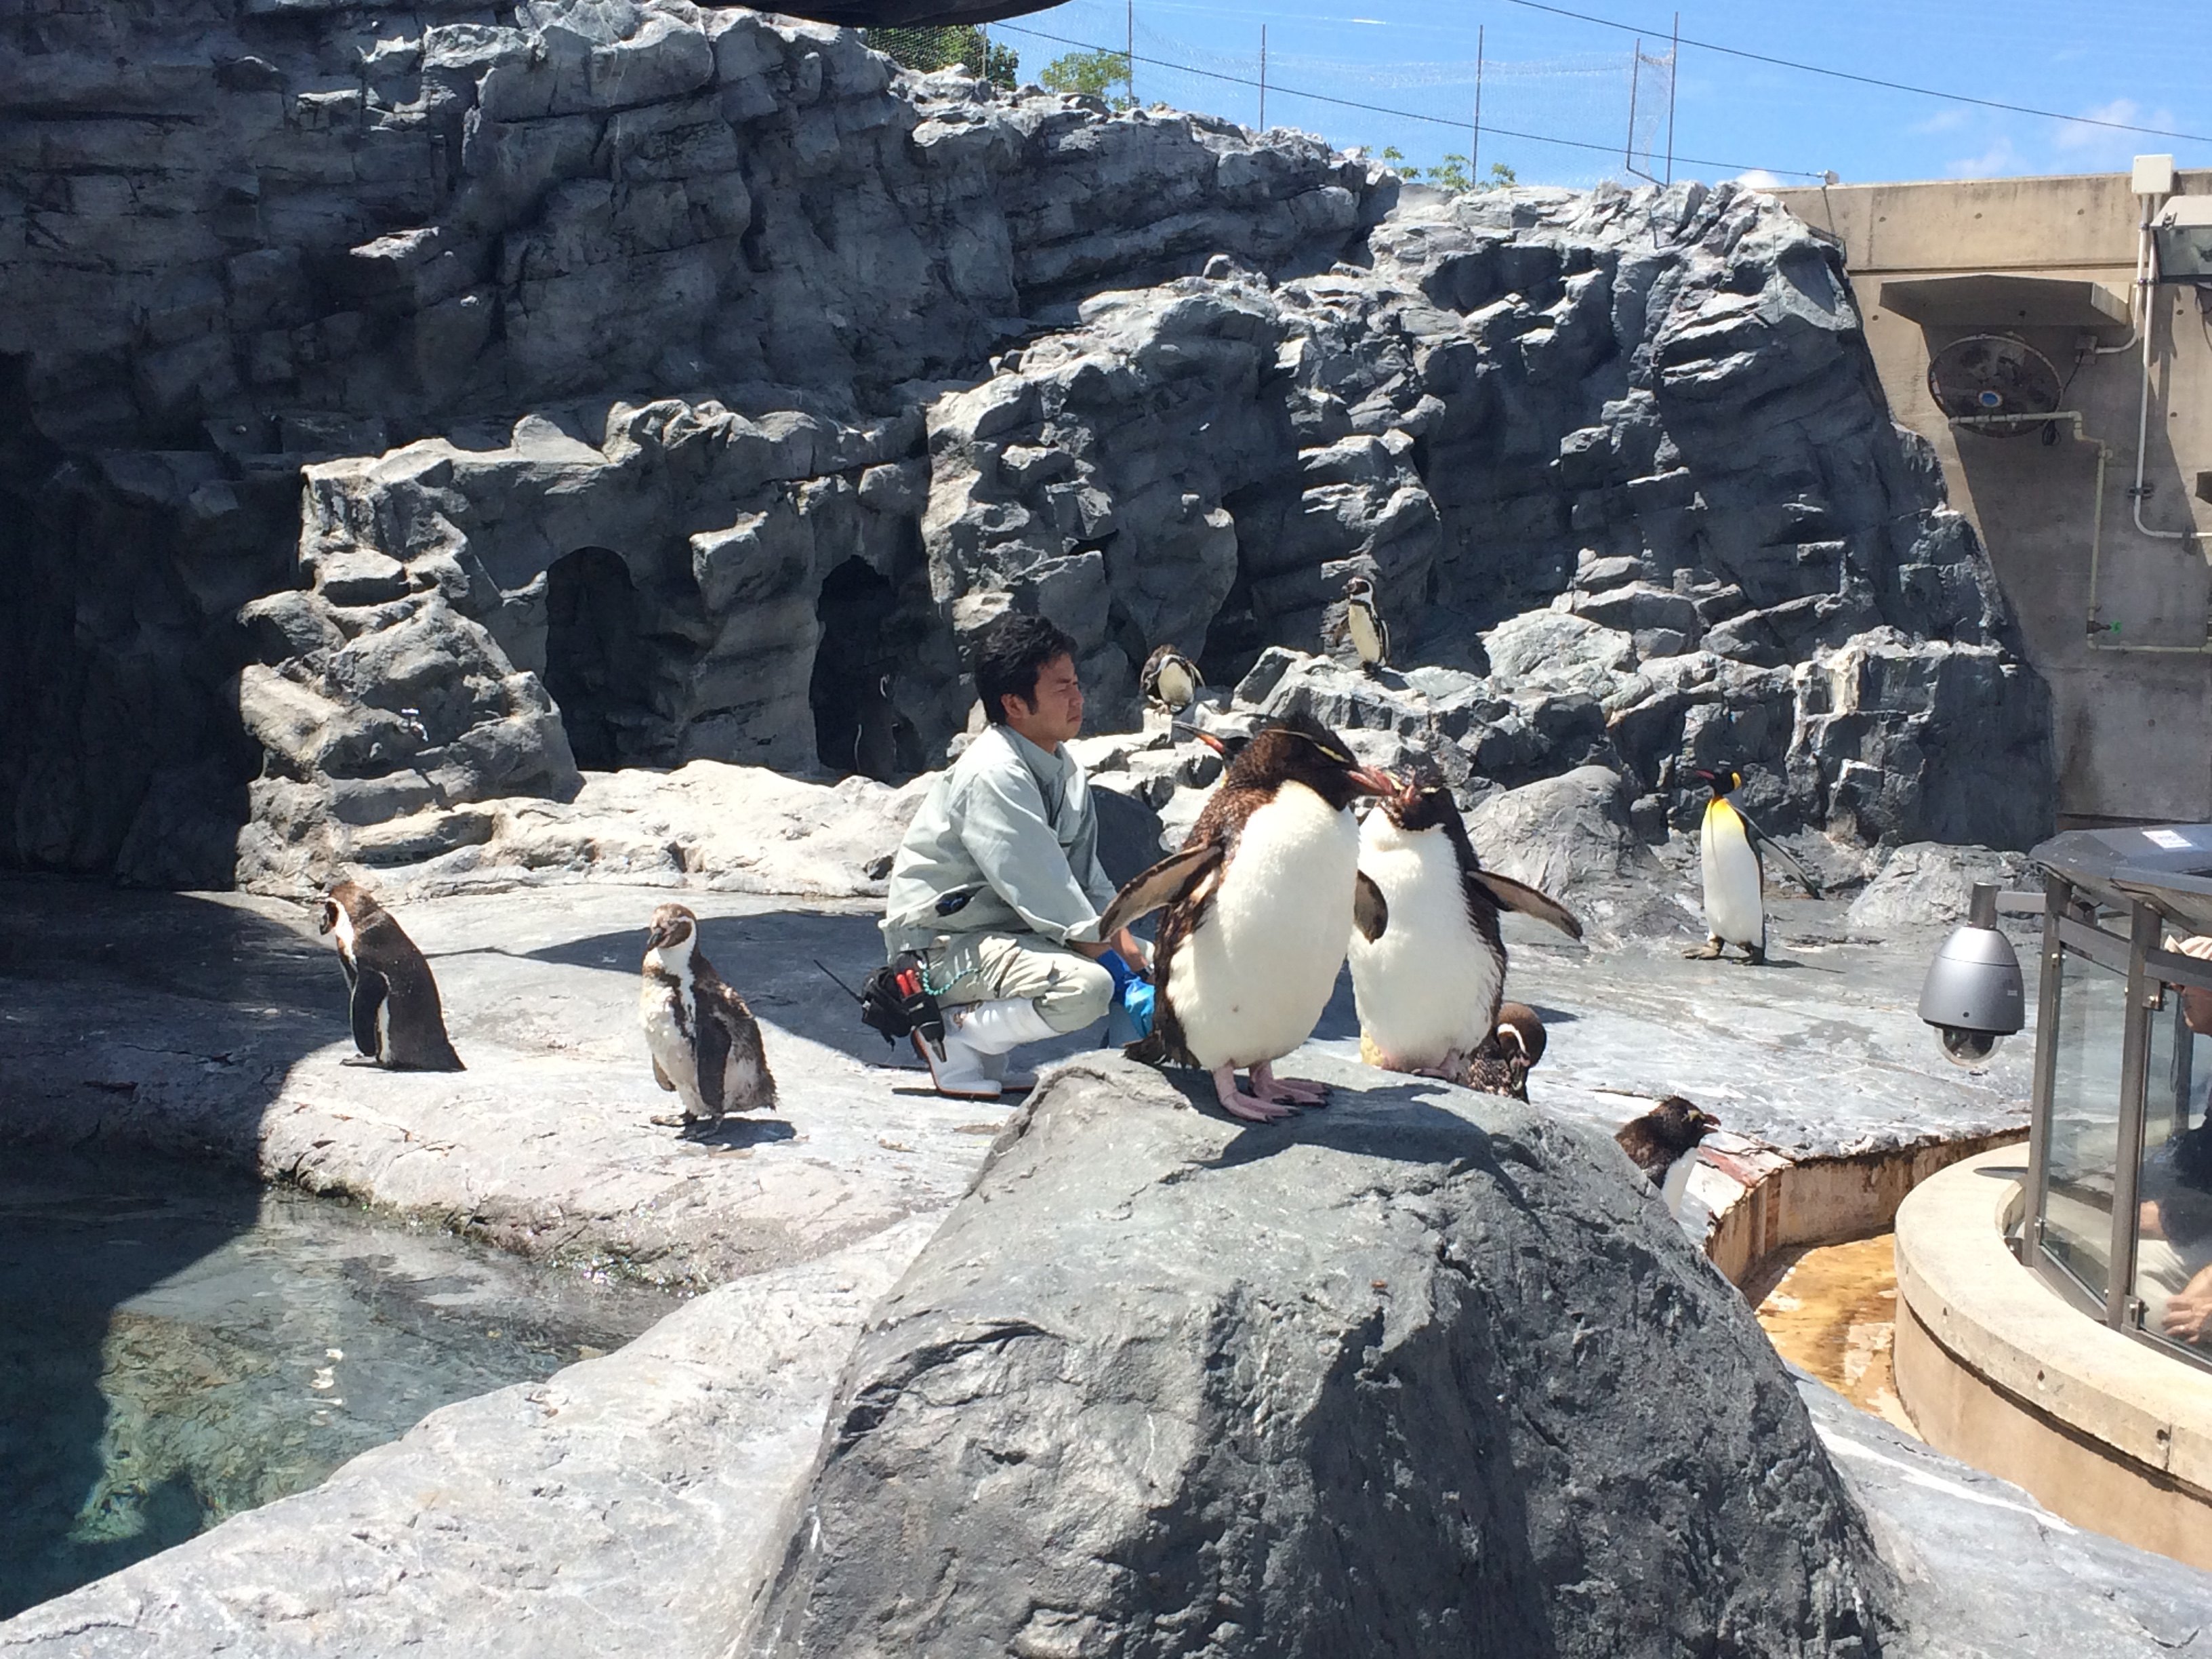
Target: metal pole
1263	78
1673	77
1635	68
1474	149
2058	894
2122	1308
1129	54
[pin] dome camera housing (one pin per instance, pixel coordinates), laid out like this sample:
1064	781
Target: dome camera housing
1973	994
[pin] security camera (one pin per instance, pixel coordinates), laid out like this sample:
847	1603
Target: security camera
1973	995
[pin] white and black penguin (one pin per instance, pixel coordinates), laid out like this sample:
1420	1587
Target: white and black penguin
705	1043
1428	973
397	1020
1360	625
1662	1144
1259	908
1729	845
1170	680
875	743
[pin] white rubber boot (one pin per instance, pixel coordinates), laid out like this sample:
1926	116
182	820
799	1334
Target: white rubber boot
977	1038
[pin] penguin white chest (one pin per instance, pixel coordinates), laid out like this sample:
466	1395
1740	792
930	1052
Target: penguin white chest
1367	634
1250	981
1175	685
1676	1187
665	1011
1734	909
1429	987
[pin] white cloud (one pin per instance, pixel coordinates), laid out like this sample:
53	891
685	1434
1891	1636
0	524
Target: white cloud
2080	145
1999	158
2080	135
1949	120
1758	179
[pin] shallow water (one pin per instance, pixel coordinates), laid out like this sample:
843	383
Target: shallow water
178	1345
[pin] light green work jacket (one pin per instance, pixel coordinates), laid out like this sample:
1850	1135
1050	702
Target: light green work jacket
1008	838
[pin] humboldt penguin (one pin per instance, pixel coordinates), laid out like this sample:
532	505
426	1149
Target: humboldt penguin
397	1020
875	743
705	1043
1170	680
1501	1066
1662	1144
1358	622
1728	847
1259	906
1428	978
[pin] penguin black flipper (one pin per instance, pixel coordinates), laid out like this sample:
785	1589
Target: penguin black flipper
1517	895
1370	911
1161	884
369	992
1760	840
713	1050
662	1077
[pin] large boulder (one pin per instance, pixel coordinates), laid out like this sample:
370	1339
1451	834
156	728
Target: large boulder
1424	1373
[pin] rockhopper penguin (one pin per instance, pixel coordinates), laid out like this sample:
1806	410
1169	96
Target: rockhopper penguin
1170	680
1428	973
1662	1144
1729	845
397	1019
1259	907
705	1043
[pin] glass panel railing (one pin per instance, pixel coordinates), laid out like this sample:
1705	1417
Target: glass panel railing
2173	1214
2085	1122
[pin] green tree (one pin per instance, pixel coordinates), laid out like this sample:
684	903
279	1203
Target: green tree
1092	73
958	46
1502	177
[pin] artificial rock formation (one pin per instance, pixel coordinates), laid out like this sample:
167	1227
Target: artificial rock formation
1435	1374
675	382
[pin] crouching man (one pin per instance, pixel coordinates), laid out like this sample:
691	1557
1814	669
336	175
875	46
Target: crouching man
997	887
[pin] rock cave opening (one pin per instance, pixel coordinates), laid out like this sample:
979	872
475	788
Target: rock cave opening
857	725
598	664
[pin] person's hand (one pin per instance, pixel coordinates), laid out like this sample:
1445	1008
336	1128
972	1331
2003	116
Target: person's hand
1130	950
2188	1309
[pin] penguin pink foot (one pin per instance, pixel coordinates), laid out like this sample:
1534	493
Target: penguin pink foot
1235	1101
1297	1090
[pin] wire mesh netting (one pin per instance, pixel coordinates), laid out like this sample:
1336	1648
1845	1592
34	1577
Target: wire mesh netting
1560	120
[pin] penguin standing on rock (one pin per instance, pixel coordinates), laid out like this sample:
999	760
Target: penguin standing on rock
1170	680
397	1020
1428	970
1362	627
1663	1144
1728	846
1259	908
1501	1066
705	1043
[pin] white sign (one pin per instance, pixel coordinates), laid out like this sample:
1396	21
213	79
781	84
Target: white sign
2173	840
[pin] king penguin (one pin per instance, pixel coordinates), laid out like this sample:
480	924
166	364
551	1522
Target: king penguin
1735	884
1170	680
705	1043
1259	908
1428	970
397	1020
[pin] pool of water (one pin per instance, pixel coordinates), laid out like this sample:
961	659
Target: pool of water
178	1345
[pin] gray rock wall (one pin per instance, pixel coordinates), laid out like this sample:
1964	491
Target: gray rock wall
672	382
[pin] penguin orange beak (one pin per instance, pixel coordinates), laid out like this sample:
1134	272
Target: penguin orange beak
1372	781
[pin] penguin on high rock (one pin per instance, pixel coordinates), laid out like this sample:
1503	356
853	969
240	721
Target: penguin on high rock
1428	974
875	745
705	1043
1728	846
1501	1066
1260	905
1170	680
397	1020
1359	623
1662	1144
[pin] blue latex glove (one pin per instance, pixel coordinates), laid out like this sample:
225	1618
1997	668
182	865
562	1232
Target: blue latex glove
1133	997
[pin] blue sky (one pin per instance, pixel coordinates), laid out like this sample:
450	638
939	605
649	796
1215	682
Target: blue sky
2126	60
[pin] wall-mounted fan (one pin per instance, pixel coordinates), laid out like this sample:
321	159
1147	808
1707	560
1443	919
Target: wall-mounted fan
1987	375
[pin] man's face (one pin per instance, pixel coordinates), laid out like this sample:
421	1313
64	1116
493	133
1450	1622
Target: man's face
1057	713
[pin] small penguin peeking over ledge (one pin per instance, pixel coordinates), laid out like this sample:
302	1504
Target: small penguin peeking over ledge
705	1043
391	994
1663	1143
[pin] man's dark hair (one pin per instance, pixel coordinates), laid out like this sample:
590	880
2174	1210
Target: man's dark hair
1007	662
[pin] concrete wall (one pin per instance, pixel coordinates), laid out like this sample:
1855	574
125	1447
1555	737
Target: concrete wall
2131	725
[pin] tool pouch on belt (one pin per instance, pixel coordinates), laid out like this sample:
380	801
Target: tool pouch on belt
896	1000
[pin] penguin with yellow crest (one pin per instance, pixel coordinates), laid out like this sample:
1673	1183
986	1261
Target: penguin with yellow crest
1728	846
